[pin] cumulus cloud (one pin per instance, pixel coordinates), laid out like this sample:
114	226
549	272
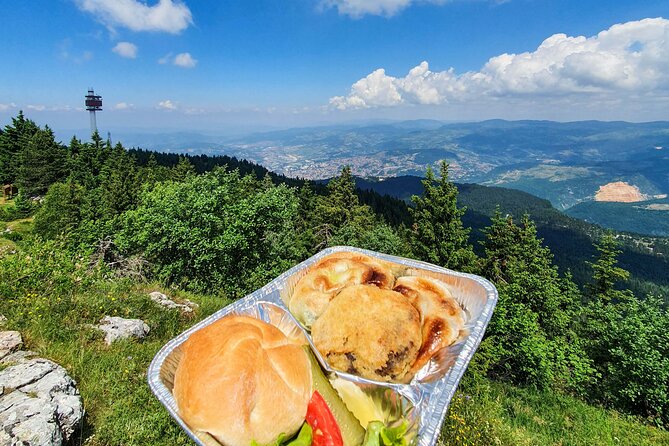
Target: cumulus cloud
126	49
171	16
358	8
5	107
184	60
38	107
628	58
167	105
123	106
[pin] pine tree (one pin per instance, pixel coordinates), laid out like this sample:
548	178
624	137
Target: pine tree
183	170
119	183
605	272
13	140
43	162
530	337
438	234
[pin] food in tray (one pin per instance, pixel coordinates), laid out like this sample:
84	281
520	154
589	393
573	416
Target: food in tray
441	315
368	331
236	375
366	327
245	383
326	278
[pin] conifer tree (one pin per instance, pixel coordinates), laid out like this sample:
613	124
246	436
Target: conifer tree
13	140
438	234
183	170
43	162
530	339
606	273
119	183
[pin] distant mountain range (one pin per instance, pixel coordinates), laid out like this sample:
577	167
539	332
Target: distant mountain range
567	163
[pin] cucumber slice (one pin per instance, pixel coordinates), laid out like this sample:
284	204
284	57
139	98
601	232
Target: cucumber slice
351	431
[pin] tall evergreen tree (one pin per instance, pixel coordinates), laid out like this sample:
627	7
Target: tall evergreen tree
13	140
606	273
43	162
119	183
183	170
530	337
438	234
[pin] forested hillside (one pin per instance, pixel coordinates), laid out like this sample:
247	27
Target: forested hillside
94	226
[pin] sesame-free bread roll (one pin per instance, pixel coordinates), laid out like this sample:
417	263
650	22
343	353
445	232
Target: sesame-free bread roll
241	379
442	318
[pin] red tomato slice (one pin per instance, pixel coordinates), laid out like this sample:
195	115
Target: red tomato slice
325	429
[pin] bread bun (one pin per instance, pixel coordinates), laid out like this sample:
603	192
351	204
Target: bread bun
242	380
314	291
370	332
442	318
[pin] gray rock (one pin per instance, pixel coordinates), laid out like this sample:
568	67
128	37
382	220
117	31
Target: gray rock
39	404
119	328
10	341
164	301
17	357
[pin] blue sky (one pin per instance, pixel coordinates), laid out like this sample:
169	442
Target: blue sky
219	65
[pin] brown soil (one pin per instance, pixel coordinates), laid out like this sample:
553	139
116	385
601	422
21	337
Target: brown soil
620	192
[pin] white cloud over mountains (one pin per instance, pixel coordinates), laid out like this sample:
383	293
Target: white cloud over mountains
629	58
171	16
358	8
126	49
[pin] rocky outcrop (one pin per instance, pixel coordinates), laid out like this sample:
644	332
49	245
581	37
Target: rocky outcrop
116	328
9	342
39	401
164	301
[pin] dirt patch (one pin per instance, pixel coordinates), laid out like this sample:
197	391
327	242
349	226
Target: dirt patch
620	192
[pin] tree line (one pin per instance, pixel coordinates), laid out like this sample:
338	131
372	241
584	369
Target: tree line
223	228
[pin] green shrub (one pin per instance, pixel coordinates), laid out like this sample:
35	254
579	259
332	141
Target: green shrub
217	231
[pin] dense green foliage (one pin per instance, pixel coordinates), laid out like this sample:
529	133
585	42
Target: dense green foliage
438	234
531	338
650	217
225	232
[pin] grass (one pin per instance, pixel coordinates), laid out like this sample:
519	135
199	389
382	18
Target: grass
52	298
492	413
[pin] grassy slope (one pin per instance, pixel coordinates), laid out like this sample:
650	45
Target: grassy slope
51	299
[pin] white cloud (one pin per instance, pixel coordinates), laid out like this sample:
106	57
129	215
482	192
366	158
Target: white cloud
38	107
5	107
184	60
126	49
167	105
628	58
172	16
358	8
165	59
123	106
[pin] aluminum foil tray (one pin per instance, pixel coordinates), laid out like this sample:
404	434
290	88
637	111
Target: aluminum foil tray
423	402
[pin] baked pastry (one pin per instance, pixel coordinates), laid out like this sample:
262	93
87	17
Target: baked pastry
241	380
370	332
314	291
442	318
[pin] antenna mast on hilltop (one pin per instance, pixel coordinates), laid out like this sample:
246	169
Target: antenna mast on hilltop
93	104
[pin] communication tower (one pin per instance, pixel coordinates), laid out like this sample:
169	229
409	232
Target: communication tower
93	104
